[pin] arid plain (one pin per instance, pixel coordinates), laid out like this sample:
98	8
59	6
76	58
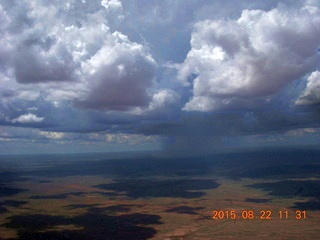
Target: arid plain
148	196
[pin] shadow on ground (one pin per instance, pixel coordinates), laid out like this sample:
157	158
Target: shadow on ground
308	205
59	196
9	191
258	200
294	189
143	188
95	224
184	210
10	203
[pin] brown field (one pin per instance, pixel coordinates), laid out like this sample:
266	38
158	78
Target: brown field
178	206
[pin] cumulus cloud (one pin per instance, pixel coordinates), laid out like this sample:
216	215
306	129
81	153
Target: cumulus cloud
111	4
32	46
251	57
163	99
311	94
34	64
118	75
27	118
97	72
54	44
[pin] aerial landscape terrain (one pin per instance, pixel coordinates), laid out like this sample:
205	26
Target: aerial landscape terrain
147	196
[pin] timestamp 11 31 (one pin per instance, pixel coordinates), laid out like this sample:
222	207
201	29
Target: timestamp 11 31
285	214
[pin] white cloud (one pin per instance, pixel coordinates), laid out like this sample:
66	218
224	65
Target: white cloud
311	94
301	131
163	99
112	5
251	57
69	50
52	135
28	118
61	95
27	95
131	139
201	104
118	75
121	138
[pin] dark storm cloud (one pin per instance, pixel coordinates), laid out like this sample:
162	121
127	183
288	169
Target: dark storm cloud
268	118
205	133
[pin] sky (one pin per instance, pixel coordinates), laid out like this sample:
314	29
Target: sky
134	75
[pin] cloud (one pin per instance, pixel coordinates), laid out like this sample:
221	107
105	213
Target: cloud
201	133
251	57
301	131
69	69
71	52
32	46
52	135
131	139
311	94
34	64
112	5
164	100
118	75
28	118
